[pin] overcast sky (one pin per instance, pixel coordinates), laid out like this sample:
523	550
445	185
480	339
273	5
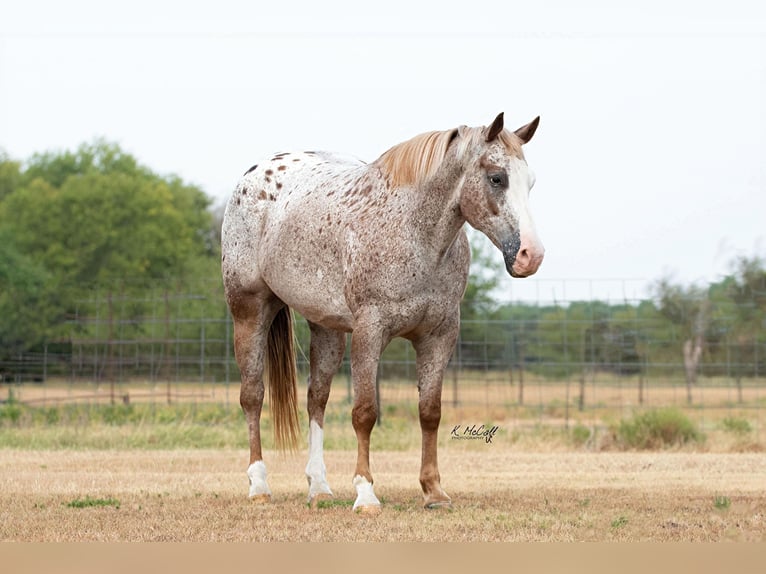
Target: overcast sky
649	157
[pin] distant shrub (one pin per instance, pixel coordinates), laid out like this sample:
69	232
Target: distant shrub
721	502
580	434
657	429
10	410
736	425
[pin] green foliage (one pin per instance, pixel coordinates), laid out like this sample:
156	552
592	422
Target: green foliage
74	223
721	502
116	414
89	502
736	425
10	412
333	503
10	174
485	272
620	521
580	435
149	426
686	306
97	229
27	299
204	414
657	429
99	156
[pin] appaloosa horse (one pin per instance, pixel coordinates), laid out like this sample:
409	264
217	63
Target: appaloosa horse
377	250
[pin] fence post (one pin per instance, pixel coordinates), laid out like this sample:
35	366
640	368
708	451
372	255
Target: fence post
202	352
455	369
45	362
110	345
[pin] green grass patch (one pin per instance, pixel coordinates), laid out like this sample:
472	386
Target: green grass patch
580	435
721	502
89	502
619	522
334	503
149	426
178	426
657	429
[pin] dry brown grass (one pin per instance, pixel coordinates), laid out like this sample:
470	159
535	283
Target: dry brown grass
499	495
478	390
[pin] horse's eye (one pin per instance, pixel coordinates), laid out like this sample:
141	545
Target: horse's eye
498	179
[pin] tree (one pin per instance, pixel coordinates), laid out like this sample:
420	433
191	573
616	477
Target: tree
746	289
484	277
27	309
688	308
95	219
10	175
99	156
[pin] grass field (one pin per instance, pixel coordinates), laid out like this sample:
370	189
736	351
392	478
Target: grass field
81	416
499	495
77	468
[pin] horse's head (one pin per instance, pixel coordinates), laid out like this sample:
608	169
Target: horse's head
494	197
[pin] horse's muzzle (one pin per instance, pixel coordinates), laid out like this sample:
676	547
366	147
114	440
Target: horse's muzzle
522	256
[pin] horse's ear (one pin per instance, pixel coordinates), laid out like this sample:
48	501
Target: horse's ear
526	132
495	128
456	133
453	135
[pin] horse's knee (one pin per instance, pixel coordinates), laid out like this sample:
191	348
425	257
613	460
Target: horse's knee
363	417
430	416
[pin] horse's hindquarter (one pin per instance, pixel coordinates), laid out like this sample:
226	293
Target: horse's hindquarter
299	250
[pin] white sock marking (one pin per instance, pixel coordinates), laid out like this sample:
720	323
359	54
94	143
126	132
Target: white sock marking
316	472
365	496
256	472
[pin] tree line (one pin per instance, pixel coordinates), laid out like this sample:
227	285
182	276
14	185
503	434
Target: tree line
73	223
93	233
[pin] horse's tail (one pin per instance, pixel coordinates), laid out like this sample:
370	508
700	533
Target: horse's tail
283	381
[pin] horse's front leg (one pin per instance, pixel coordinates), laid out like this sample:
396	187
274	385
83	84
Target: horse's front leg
325	356
433	352
366	347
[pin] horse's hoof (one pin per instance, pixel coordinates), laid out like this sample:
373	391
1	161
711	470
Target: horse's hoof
260	498
368	510
319	498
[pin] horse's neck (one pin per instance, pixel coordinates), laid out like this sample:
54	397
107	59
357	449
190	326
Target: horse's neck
438	207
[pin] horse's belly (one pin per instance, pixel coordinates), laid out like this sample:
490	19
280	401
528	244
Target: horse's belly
314	291
328	313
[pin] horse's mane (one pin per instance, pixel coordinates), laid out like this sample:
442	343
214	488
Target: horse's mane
416	160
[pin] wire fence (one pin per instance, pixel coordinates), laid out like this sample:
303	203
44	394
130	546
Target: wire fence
558	361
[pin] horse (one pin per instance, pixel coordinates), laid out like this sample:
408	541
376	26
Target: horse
376	250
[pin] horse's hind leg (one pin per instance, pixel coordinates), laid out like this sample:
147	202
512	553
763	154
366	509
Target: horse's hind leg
252	321
325	356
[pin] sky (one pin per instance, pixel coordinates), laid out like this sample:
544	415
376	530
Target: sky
649	157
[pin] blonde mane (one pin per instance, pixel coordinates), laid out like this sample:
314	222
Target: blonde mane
416	160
